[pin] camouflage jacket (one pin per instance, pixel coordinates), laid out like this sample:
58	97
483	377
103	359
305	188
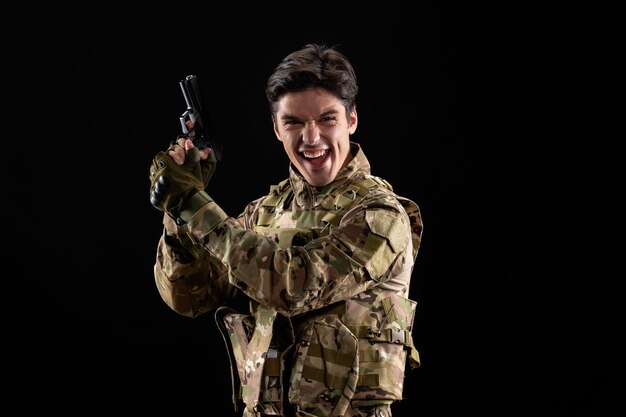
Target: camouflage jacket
327	270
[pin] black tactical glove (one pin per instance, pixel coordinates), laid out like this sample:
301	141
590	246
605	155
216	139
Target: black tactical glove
173	184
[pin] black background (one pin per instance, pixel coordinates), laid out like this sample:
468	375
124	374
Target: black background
499	120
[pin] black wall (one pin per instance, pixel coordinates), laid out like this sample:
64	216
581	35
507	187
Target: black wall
500	121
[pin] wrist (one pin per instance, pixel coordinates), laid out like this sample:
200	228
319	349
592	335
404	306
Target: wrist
191	205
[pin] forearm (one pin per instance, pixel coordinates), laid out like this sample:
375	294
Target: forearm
189	283
296	279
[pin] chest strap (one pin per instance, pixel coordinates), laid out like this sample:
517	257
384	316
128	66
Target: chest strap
249	352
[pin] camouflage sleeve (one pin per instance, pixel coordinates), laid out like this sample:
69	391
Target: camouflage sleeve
358	254
188	280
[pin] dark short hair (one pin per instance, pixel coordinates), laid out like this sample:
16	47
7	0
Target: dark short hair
313	66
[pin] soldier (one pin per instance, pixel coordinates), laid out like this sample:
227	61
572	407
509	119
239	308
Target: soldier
325	258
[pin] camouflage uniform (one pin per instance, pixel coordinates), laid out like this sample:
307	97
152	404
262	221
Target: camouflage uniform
327	271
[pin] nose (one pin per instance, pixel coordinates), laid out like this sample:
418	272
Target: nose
311	133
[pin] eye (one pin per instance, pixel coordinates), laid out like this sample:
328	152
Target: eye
328	119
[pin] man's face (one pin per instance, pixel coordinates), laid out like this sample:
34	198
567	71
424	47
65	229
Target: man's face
315	132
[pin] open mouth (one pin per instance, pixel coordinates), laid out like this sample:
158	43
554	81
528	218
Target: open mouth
316	158
315	154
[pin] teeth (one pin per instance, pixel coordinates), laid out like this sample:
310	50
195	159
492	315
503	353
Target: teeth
314	154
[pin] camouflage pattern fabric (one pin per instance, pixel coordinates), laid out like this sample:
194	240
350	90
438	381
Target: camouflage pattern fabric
250	352
335	262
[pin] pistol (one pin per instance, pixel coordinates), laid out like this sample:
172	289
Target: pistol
203	133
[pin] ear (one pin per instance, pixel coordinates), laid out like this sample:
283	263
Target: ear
353	121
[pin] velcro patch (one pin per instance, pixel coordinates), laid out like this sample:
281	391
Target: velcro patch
389	235
390	225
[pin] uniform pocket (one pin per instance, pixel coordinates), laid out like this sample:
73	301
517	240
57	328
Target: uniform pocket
325	371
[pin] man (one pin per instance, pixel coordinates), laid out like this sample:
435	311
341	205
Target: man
325	258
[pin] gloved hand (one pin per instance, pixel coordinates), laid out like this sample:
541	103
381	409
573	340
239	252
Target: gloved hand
208	161
172	184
